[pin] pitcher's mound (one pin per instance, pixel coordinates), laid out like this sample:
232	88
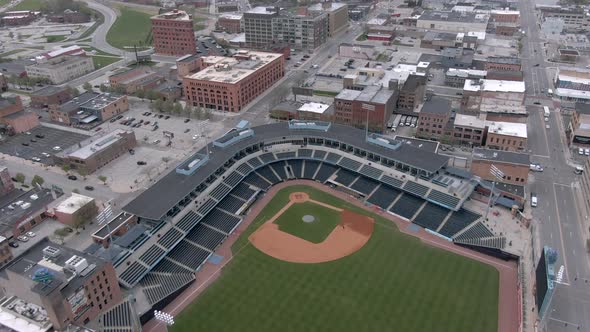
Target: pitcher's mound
308	218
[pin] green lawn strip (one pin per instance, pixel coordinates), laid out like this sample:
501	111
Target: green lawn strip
96	50
27	5
55	39
317	231
19	50
325	93
101	61
4	2
394	283
131	28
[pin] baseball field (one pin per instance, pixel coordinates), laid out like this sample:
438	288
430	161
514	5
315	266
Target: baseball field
377	278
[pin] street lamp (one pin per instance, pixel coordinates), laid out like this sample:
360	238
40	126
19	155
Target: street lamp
164	317
498	174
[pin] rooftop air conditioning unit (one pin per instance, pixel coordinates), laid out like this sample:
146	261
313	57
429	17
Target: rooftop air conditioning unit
51	251
76	264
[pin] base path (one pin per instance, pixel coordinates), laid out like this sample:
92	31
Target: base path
351	234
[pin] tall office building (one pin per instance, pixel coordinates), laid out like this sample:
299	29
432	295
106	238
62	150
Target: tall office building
173	33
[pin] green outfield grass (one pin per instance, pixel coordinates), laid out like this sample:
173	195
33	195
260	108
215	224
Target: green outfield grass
28	5
394	283
291	221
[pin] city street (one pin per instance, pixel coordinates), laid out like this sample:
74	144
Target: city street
557	220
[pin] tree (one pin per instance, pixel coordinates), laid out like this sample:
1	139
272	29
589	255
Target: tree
87	86
207	114
157	105
37	180
20	177
11	35
66	168
73	91
103	88
177	108
167	106
140	93
103	179
188	110
198	112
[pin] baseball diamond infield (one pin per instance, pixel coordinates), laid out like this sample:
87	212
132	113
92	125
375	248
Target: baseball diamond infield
398	280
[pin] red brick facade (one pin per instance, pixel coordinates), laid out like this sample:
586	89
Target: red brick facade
173	33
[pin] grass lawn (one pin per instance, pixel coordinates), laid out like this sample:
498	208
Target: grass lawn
325	93
28	5
101	61
198	23
131	28
317	231
18	50
394	283
55	39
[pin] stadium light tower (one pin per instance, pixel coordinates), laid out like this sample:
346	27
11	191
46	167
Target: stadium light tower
164	317
498	174
104	217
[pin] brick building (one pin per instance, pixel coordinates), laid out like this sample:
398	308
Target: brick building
5	251
230	23
94	153
71	286
504	16
469	130
51	95
433	118
230	83
117	226
507	136
139	78
173	33
69	16
89	107
294	110
19	17
337	15
351	107
61	69
515	166
411	93
13	119
6	184
503	63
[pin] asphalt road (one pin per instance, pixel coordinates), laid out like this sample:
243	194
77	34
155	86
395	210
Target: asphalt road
559	222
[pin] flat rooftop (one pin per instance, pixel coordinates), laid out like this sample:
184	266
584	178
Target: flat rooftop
232	70
436	105
502	156
65	60
314	107
155	202
508	129
48	91
175	14
464	120
463	17
98	145
262	10
101	101
320	6
18	205
63	279
494	86
456	72
113	225
504	60
73	203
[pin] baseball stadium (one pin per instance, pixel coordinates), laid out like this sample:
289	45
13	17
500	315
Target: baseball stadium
308	225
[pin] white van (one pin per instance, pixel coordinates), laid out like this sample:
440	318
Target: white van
534	200
579	170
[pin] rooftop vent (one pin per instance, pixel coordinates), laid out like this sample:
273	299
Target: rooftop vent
51	251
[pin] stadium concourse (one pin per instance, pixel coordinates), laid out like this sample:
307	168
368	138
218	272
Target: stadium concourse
189	213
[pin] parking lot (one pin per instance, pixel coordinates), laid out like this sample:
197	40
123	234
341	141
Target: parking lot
40	140
155	147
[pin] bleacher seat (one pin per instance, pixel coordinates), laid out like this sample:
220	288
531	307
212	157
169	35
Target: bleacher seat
133	273
349	164
371	171
304	153
233	179
364	185
415	188
319	154
150	256
457	221
444	199
158	286
257	181
325	171
384	196
222	221
297	167
267	173
188	221
243	191
206	207
286	155
170	238
406	206
189	255
279	169
310	167
206	237
267	157
255	162
396	183
333	157
431	216
345	177
476	231
231	204
220	191
244	168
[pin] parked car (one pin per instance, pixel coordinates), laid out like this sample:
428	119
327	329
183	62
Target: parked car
157	141
89	188
587	152
22	238
187	120
72	177
581	151
30	234
13	244
167	117
40	136
536	168
187	130
36	159
141	163
25	143
56	148
534	200
45	154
